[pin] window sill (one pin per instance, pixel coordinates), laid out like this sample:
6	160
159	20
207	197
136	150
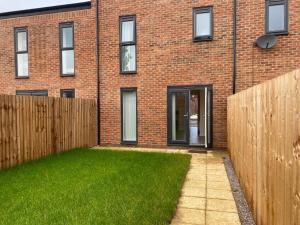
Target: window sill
280	33
129	73
67	75
128	142
22	78
199	39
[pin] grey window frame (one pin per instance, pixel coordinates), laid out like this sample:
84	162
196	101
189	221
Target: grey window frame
32	92
199	10
286	16
67	90
16	31
129	43
62	49
124	90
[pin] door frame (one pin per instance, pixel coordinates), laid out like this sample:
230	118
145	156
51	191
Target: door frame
189	88
169	111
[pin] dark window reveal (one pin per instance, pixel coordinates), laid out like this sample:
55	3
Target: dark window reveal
21	54
67	93
67	49
203	24
276	16
129	115
32	92
128	44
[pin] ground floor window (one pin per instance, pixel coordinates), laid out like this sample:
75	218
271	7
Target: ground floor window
32	92
129	115
67	93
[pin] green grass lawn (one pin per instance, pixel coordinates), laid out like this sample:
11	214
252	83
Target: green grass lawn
93	187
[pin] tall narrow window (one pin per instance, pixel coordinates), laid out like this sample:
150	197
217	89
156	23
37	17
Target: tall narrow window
67	49
276	16
129	115
203	24
128	44
21	46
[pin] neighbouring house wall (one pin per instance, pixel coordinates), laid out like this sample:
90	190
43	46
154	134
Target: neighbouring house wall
255	65
34	127
44	53
166	56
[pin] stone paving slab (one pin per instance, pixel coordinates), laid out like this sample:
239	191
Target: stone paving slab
206	195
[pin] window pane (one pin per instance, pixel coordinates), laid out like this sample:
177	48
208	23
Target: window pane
68	94
127	31
22	42
68	62
22	64
32	93
129	116
128	58
67	37
203	24
276	18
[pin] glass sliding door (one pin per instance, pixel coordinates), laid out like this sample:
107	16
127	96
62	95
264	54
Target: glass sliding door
208	117
178	108
129	115
190	115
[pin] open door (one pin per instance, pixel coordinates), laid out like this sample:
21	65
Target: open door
190	116
208	122
178	117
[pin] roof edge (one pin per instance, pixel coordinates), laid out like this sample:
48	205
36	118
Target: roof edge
45	10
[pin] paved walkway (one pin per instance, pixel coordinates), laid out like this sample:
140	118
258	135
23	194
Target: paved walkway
206	196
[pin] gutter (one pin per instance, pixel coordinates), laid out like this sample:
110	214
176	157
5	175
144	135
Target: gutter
234	74
98	70
46	10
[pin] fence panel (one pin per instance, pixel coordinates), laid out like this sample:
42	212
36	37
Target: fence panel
264	145
34	127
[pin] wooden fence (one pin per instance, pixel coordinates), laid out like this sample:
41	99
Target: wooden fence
264	145
34	127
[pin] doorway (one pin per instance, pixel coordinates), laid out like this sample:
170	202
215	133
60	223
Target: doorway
189	116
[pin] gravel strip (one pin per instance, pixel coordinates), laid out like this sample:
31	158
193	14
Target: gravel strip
238	194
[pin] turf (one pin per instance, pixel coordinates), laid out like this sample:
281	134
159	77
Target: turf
93	187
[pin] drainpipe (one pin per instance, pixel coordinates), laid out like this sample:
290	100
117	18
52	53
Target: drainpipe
234	46
98	69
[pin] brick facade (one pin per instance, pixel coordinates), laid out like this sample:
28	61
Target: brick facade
255	65
166	56
44	53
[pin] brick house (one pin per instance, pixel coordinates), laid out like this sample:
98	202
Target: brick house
164	69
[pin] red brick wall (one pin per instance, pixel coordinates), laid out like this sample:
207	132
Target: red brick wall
166	56
255	65
44	54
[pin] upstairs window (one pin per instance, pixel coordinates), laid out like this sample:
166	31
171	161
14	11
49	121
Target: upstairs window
276	16
128	44
203	24
21	58
67	49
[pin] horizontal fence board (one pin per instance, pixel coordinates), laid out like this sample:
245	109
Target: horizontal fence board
264	145
34	127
